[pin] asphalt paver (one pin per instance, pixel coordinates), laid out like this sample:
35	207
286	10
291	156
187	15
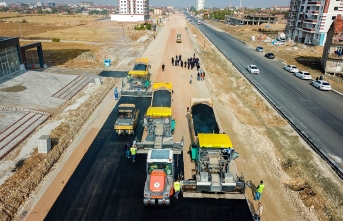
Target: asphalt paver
108	186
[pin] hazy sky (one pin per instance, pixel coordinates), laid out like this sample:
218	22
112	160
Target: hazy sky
222	3
183	3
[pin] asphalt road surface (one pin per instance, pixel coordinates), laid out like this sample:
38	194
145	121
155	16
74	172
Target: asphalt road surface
108	186
317	113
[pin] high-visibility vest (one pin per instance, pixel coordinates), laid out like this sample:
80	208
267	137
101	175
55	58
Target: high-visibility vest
177	186
133	150
260	188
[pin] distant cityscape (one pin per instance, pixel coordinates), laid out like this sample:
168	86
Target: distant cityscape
51	7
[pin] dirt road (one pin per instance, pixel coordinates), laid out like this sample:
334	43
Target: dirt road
257	133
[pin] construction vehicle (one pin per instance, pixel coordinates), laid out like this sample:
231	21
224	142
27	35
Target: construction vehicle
137	82
159	183
212	153
178	38
127	119
158	123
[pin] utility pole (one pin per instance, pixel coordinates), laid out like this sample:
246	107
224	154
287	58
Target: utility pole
240	4
21	35
123	32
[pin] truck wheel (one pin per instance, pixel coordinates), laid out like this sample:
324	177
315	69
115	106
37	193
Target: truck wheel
145	202
167	202
153	203
160	203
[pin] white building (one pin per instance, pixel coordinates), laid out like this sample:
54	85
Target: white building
40	4
309	20
6	4
132	10
200	4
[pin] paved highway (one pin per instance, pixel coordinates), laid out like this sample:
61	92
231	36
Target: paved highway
317	113
108	186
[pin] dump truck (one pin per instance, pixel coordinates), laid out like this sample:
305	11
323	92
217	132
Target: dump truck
137	82
159	183
212	153
178	38
158	123
127	120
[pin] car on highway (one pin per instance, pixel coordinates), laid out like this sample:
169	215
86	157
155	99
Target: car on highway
259	49
304	75
253	69
291	68
199	22
269	55
321	85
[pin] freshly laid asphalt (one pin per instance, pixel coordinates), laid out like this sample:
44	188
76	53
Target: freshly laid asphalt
108	186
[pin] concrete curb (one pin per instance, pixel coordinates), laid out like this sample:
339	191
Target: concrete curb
303	134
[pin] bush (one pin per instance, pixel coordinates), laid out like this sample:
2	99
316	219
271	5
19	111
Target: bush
55	40
24	21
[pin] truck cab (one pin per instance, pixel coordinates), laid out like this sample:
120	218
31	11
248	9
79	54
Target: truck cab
159	183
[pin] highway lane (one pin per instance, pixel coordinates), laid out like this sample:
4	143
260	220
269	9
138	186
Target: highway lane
317	113
108	186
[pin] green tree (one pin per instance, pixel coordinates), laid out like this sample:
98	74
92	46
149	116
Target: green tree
40	11
104	12
54	11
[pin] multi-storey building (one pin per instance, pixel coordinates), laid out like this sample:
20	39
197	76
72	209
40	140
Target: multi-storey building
133	6
132	11
309	20
200	4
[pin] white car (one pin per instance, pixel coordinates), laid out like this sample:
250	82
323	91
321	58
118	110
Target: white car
291	68
322	85
253	69
279	43
303	75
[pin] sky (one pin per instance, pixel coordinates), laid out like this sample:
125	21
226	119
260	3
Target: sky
179	3
222	3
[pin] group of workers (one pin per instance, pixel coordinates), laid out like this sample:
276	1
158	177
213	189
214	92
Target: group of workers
190	63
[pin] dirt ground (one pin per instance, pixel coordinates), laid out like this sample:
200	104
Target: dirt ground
297	179
299	185
307	58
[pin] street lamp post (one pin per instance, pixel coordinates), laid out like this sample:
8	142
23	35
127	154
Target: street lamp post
21	35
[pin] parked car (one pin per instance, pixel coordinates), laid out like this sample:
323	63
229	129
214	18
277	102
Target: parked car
259	49
303	75
322	85
279	43
269	55
291	68
310	43
253	69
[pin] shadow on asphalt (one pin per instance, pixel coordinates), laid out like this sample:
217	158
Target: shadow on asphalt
116	74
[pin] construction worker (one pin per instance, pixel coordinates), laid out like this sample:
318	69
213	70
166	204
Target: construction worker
259	190
163	67
127	149
258	214
177	188
173	61
133	151
190	80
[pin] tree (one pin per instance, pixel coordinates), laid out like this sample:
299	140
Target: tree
54	11
104	12
40	11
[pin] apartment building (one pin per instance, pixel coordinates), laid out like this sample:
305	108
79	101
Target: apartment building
200	4
132	11
310	20
133	6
